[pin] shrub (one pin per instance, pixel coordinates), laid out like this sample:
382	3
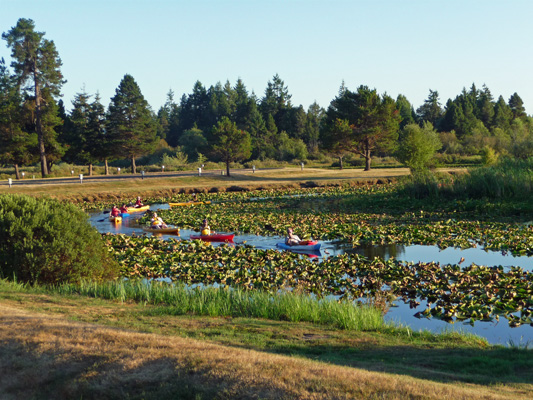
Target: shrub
418	146
45	241
488	156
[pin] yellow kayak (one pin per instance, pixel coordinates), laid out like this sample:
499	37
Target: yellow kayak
168	231
116	220
138	209
188	203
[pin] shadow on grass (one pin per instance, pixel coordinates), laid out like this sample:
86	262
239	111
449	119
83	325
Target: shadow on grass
27	374
491	366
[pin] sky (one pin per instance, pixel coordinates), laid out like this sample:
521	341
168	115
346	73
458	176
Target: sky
395	46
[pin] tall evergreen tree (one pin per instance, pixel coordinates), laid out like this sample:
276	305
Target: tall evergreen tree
15	143
230	143
36	62
407	112
431	110
76	129
486	106
243	106
276	102
311	135
517	106
168	117
374	121
130	122
102	146
503	115
258	132
86	132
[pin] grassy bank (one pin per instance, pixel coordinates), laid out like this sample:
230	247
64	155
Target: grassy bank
180	299
73	346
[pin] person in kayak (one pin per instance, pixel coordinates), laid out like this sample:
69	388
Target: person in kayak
157	222
138	203
205	229
115	211
124	209
292	239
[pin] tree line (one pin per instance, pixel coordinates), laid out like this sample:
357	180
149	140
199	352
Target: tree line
228	123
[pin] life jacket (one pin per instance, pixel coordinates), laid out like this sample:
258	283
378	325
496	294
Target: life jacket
206	232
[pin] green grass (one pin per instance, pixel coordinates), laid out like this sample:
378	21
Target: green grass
179	299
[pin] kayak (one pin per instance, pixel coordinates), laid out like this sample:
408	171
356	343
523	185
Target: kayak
116	220
188	203
215	237
138	209
311	246
168	231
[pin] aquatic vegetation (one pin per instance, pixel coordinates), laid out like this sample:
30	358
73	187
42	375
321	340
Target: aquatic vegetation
452	293
331	215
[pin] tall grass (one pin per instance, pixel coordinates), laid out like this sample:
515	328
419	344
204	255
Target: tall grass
179	299
508	179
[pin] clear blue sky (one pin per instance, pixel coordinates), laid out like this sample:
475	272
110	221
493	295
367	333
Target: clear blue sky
395	46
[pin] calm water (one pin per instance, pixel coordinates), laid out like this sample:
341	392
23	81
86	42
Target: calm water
494	332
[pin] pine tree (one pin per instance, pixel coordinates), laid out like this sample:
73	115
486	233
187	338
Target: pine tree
230	143
102	147
36	61
374	121
431	110
486	107
517	106
311	136
15	142
407	112
503	115
130	122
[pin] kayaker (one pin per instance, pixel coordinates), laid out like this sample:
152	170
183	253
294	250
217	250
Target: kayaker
124	209
193	199
138	203
115	211
292	239
205	229
157	222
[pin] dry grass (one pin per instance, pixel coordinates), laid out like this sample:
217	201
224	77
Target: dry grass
47	356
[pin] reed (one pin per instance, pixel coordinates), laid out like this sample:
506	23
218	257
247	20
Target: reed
179	299
509	179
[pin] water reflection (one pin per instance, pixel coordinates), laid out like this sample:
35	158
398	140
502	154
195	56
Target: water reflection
450	255
385	251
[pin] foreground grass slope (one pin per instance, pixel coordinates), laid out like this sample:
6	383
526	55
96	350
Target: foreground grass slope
66	347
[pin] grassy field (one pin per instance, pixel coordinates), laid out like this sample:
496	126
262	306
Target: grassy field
166	186
80	347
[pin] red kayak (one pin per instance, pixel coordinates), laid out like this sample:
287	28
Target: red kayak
215	237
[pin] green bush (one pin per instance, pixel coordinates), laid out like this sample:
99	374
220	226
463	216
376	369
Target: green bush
45	241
